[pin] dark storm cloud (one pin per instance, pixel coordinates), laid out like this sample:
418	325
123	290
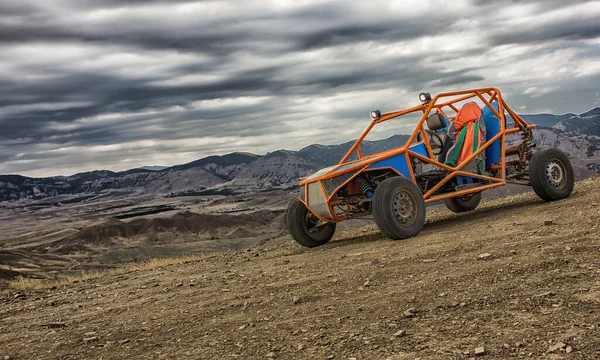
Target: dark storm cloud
381	31
116	84
571	29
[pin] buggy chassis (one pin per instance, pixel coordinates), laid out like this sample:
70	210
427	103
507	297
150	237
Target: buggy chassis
349	189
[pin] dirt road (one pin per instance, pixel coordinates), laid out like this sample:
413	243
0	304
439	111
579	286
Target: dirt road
518	277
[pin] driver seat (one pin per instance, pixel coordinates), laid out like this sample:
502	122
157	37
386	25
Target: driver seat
437	122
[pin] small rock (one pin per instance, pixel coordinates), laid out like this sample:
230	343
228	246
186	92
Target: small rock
569	349
331	357
124	341
410	313
556	347
6	357
548	222
429	260
89	333
242	327
484	256
179	284
54	325
295	300
400	333
506	346
366	283
375	261
270	355
18	295
192	284
360	288
90	339
480	351
568	248
300	347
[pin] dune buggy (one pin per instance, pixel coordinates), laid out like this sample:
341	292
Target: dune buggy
457	150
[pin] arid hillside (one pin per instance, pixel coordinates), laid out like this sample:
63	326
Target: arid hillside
517	278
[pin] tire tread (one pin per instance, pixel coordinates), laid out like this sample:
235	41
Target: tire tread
385	219
537	174
294	218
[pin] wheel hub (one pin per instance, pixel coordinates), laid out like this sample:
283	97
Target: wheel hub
404	207
312	223
555	173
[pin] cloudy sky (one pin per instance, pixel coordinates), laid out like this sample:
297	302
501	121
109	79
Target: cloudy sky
117	84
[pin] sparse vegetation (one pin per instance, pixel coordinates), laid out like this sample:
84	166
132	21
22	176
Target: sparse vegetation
31	284
27	284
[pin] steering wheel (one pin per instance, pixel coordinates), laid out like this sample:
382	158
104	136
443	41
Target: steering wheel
435	141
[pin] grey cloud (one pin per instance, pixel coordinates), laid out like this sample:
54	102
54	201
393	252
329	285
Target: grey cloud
573	29
382	31
303	59
458	79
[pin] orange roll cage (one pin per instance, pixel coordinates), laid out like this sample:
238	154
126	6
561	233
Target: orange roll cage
444	103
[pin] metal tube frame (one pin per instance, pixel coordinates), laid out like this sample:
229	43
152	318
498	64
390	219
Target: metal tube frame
485	95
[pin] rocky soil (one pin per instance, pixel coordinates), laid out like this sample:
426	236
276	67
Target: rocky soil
517	278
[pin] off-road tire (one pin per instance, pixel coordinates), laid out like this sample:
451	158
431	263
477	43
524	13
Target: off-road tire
298	227
464	203
390	202
551	174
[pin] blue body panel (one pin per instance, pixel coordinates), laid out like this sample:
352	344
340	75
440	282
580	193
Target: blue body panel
492	128
420	149
400	161
397	162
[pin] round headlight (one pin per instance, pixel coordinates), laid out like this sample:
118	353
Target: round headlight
424	97
375	114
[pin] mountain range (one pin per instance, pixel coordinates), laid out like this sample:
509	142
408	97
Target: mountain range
577	135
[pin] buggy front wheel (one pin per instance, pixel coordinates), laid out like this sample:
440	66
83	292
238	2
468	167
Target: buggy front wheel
305	227
398	208
551	174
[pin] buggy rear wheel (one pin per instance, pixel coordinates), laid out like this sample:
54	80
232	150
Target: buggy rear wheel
463	203
551	174
398	208
305	227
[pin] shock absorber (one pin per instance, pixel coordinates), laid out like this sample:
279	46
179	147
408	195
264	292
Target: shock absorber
364	186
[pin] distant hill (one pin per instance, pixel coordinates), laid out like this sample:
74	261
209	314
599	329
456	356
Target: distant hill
153	167
578	135
587	123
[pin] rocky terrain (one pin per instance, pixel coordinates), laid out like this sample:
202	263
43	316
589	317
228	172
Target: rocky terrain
246	173
517	278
